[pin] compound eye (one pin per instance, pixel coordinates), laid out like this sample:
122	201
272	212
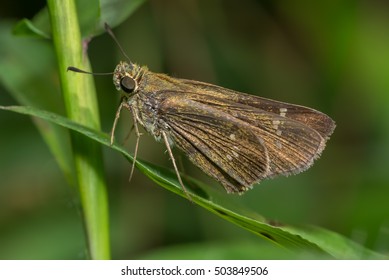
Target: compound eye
127	84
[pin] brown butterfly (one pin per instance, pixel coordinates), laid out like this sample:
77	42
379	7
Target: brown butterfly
236	138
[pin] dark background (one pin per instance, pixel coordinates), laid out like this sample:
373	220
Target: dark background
329	55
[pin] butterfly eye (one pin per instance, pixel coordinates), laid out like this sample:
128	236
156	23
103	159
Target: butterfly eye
127	84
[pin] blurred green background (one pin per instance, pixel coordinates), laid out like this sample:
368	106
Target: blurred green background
329	55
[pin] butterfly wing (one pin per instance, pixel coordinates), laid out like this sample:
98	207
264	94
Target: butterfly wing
237	144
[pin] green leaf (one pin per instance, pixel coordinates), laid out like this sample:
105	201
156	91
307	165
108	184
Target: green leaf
312	240
115	12
27	28
92	15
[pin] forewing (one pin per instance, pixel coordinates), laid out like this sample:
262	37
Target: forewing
307	116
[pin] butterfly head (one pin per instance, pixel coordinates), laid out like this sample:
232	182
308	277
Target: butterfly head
126	77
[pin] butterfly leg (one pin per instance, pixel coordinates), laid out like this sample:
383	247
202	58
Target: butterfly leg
117	116
138	135
174	164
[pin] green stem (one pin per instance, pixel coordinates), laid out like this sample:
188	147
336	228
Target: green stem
81	106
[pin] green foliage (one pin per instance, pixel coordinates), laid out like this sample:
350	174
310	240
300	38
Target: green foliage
80	159
329	56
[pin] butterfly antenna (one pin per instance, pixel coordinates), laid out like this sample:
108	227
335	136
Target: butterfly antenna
109	31
78	70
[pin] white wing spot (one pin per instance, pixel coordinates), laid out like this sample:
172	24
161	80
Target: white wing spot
283	112
232	137
235	154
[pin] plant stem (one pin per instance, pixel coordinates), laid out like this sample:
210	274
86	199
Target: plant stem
81	106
